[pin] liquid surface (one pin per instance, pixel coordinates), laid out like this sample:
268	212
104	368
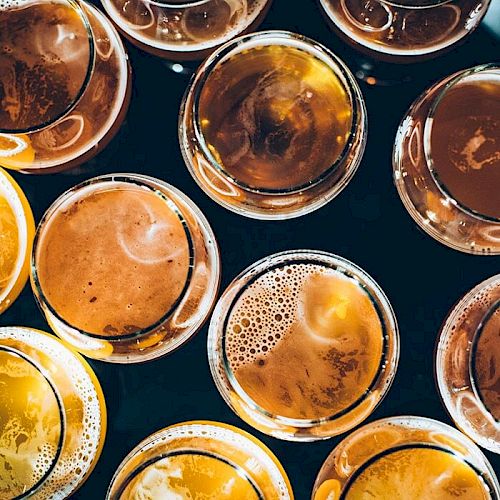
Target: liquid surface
9	243
304	341
465	144
44	58
275	117
190	476
404	29
417	474
113	261
30	425
185	28
487	363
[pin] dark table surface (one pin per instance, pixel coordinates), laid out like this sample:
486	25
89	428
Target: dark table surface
366	223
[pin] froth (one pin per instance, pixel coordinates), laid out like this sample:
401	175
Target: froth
82	442
13	4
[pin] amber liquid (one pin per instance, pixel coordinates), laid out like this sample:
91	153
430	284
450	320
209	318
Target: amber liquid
304	342
30	425
275	117
417	474
403	28
465	144
487	362
113	261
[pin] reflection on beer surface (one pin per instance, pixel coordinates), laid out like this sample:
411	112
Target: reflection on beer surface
275	117
113	261
465	143
304	341
44	59
417	474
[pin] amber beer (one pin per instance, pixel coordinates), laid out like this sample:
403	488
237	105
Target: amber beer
52	416
303	345
64	84
272	125
126	267
184	30
200	460
406	458
403	30
447	160
468	364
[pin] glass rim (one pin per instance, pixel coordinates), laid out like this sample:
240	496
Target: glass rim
77	7
492	309
142	181
351	480
62	419
303	43
183	4
455	79
240	471
389	328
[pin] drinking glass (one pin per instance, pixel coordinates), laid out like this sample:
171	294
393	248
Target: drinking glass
52	416
64	84
401	31
17	229
467	364
125	268
303	345
446	160
200	459
273	125
406	457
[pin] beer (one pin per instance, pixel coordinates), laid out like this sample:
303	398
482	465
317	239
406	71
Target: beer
52	417
303	341
185	30
275	120
17	229
405	30
465	144
64	84
406	458
136	260
468	364
200	460
447	159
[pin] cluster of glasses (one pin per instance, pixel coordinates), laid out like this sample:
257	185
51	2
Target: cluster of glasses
302	345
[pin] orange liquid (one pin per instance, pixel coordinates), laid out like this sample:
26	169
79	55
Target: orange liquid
113	261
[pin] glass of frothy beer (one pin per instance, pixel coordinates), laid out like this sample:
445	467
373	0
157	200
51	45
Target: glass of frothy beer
273	125
401	31
447	160
184	30
198	460
52	416
406	458
125	268
64	84
467	365
303	345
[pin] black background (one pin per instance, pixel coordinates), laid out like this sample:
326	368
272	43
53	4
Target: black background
366	223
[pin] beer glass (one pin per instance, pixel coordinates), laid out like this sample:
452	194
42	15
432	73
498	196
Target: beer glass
52	416
400	31
447	160
125	268
17	229
303	345
273	125
184	30
200	459
467	365
64	84
406	457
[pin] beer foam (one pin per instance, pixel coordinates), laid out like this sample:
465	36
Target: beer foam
265	312
79	451
13	4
